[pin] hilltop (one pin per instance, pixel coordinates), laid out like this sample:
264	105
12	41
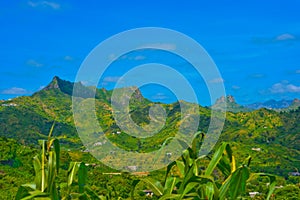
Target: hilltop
230	103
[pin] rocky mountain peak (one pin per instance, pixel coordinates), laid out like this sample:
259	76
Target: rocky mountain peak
227	99
137	94
54	84
296	100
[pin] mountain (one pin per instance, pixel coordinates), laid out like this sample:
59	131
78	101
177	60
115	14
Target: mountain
271	104
293	106
274	136
230	104
281	105
28	119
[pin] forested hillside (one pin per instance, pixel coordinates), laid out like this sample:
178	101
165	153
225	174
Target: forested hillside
271	137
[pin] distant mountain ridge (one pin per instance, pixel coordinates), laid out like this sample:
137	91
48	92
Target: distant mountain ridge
272	104
232	106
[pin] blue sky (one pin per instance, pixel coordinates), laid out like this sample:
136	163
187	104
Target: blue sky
255	44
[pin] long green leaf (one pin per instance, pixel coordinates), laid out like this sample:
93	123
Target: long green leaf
38	172
188	188
180	167
73	168
52	173
134	184
196	144
30	186
36	194
235	184
43	175
224	188
169	196
55	143
22	192
215	159
50	132
82	175
92	193
271	187
158	154
190	174
156	186
238	184
57	153
247	161
169	167
187	159
227	163
209	191
170	185
224	166
193	196
202	181
51	170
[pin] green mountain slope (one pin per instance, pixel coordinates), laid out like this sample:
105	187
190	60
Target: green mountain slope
272	137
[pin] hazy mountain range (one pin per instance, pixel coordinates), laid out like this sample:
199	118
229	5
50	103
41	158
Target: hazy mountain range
281	105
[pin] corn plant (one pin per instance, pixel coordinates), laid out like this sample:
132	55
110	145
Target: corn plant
46	167
77	175
193	183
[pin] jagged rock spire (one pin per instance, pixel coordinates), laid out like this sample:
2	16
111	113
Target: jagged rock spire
53	84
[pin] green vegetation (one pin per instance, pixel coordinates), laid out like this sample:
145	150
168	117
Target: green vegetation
185	178
271	138
46	167
188	178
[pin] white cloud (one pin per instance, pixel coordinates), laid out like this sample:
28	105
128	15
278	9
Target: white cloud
68	58
285	36
15	90
217	80
164	46
123	57
34	63
284	87
111	79
257	75
41	87
277	39
139	57
235	87
44	4
159	96
112	57
86	83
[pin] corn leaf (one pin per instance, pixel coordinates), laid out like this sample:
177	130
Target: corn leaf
155	186
170	185
215	159
82	175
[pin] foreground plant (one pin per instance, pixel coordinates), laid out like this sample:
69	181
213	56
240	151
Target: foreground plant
46	167
184	178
